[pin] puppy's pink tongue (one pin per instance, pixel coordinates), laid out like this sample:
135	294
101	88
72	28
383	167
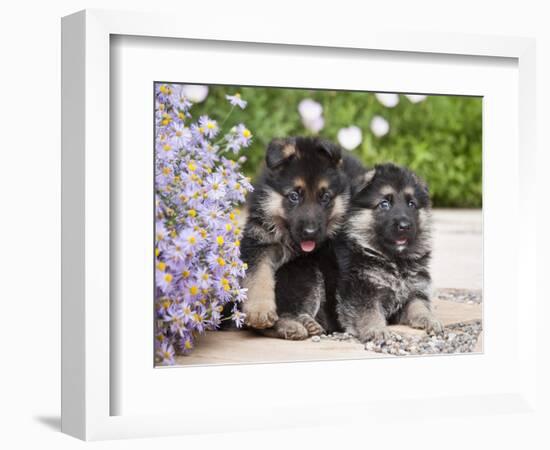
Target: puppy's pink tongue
307	246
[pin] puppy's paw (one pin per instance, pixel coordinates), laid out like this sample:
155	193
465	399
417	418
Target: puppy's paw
313	327
260	315
428	323
377	334
291	330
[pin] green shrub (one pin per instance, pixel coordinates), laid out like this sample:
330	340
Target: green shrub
439	138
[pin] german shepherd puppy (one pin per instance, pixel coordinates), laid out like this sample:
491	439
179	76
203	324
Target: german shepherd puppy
383	254
299	200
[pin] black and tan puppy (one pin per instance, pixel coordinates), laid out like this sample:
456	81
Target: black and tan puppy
299	201
383	254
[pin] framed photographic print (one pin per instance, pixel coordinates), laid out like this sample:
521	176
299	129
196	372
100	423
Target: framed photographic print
331	206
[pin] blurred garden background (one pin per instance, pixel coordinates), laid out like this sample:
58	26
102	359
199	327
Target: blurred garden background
437	136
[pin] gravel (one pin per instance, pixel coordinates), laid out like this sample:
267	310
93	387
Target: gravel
456	338
460	337
459	295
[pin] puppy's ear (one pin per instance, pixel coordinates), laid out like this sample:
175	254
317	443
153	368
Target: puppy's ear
421	183
360	182
333	151
279	151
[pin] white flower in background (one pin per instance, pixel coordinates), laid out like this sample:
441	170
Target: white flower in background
310	110
416	98
350	137
379	126
314	125
195	92
388	100
236	100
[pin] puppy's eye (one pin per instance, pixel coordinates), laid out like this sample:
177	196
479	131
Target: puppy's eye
293	197
384	204
412	204
325	198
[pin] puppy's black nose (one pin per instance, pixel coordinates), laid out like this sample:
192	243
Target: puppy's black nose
403	225
309	231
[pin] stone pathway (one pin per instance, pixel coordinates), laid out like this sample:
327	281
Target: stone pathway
243	346
457	274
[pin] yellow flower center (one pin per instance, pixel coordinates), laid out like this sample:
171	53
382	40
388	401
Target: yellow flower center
168	277
210	125
246	133
166	171
192	213
192	240
228	227
161	266
194	290
185	274
220	261
220	240
192	167
167	147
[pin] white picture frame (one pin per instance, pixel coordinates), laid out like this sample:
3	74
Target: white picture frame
88	386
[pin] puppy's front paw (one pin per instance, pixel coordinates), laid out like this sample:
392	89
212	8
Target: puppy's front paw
260	315
378	334
291	330
428	323
313	327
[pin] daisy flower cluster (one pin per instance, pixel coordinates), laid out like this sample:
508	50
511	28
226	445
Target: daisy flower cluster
197	192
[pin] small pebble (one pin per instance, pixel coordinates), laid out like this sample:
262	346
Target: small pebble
369	346
316	339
